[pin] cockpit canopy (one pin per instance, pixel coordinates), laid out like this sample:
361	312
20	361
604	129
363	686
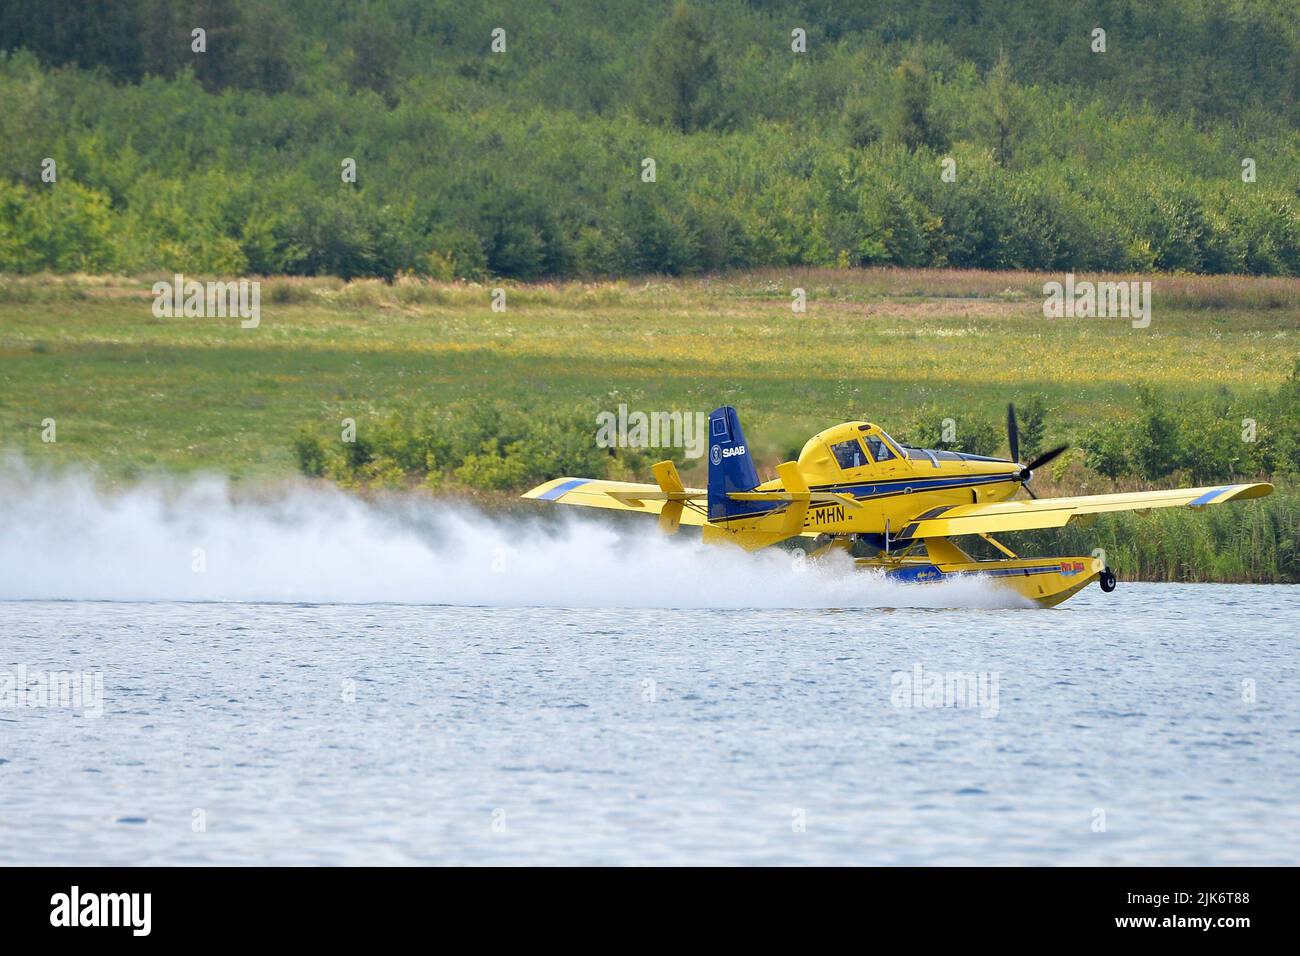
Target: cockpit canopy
861	444
851	445
854	452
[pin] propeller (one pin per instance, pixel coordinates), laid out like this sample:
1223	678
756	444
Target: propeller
1013	443
1045	457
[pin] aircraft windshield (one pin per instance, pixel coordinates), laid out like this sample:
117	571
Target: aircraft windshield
879	449
889	440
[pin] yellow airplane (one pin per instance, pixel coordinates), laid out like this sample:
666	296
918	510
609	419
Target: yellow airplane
855	484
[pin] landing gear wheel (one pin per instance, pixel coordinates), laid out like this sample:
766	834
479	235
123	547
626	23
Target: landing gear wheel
1107	580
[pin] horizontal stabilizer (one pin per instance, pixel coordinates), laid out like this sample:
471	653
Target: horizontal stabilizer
623	496
631	497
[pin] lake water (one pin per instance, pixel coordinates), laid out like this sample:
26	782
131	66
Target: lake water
349	683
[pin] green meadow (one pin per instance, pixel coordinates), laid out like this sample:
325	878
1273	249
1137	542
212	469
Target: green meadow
131	392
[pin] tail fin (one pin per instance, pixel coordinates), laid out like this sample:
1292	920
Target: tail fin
731	468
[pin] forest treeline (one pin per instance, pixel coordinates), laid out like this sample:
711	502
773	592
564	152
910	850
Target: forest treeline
511	139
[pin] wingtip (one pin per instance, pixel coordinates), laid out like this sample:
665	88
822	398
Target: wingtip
1258	489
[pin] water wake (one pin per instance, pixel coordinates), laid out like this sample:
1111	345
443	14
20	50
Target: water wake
197	540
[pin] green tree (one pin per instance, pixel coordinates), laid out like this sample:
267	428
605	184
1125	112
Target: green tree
860	124
373	52
914	123
1002	117
1031	416
1158	448
681	72
218	66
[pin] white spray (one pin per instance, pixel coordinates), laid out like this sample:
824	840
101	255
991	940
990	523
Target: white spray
198	540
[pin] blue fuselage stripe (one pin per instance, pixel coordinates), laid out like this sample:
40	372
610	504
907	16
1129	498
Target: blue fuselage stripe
892	486
887	488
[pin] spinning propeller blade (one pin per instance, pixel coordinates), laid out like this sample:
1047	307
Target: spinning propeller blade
1045	457
1013	442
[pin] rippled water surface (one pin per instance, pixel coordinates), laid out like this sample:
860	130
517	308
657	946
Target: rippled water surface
1159	724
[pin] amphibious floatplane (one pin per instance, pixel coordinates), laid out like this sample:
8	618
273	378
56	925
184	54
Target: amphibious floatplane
854	485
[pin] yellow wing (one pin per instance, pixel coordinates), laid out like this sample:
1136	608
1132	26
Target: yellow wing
1058	512
623	496
677	505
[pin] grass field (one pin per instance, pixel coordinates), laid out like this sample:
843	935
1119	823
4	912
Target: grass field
132	393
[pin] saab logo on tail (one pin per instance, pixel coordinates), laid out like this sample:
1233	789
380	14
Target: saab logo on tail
717	453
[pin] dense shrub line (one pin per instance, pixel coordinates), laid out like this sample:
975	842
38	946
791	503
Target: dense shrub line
476	445
1210	440
491	445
